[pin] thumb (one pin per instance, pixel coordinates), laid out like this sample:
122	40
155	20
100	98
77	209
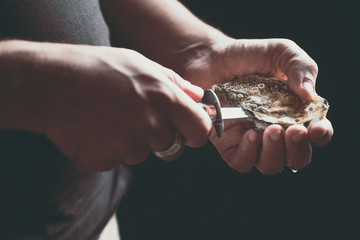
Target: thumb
301	79
300	69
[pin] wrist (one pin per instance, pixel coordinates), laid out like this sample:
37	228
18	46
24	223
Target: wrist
198	67
200	48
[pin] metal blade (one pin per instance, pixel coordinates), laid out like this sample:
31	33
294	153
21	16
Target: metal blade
233	113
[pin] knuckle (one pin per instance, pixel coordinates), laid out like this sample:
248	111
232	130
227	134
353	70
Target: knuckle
153	89
309	65
314	65
172	75
296	58
285	42
161	94
150	122
296	63
282	44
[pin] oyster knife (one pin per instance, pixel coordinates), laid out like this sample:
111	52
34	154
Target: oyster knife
211	104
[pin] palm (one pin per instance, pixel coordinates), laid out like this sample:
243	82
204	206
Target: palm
233	58
240	144
221	67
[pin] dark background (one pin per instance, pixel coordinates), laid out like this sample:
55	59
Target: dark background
200	197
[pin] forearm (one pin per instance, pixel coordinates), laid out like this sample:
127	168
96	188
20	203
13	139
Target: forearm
18	95
164	30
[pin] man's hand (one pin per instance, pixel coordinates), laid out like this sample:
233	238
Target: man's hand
271	150
102	106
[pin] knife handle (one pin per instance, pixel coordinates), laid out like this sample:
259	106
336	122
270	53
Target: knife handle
211	104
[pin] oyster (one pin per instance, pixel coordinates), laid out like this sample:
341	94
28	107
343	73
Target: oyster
269	100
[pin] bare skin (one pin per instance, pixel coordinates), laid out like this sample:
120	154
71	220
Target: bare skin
102	106
117	105
273	57
205	56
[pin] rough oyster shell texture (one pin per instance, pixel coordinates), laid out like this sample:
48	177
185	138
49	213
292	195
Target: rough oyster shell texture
269	100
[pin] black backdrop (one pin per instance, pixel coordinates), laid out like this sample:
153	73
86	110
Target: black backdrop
200	197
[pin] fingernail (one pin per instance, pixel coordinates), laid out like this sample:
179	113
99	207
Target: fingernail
309	87
294	171
275	136
253	136
297	137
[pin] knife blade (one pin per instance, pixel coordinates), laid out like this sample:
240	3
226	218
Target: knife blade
211	104
225	112
233	113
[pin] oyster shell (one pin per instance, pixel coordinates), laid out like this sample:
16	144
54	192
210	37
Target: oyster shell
269	100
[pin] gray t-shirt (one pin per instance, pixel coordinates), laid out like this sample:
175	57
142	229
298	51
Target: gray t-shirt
42	193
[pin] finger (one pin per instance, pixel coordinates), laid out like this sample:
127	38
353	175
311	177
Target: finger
272	157
245	156
233	131
173	151
300	69
136	157
182	113
298	148
193	91
157	132
190	120
132	150
320	132
301	81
